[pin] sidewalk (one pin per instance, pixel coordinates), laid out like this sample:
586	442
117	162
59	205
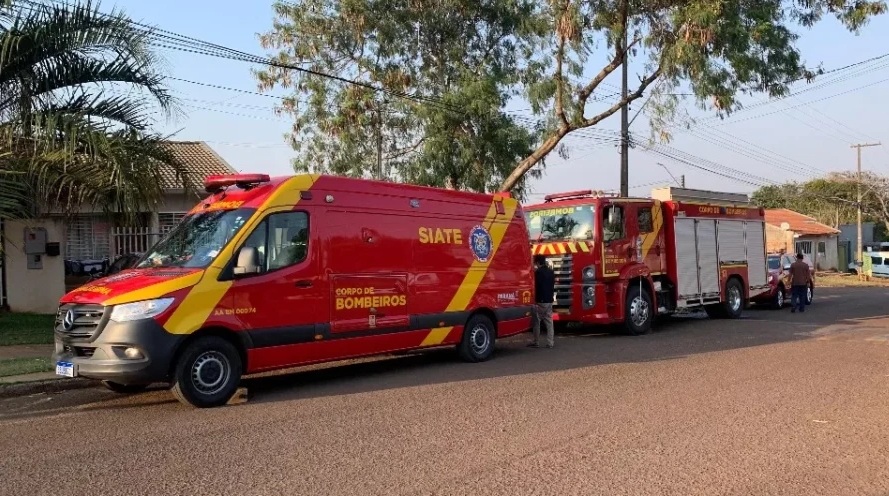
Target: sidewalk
37	382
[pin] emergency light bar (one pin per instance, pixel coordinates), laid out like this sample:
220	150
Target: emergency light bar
584	193
216	183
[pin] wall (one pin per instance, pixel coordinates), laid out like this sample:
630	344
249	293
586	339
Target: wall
33	290
778	239
850	232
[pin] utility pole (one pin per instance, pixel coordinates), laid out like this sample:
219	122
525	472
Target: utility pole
859	147
624	115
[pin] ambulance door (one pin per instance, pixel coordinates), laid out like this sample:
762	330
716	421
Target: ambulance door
280	296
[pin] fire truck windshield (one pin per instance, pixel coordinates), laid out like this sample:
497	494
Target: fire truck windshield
197	240
561	223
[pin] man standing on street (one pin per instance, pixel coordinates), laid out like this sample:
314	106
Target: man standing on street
544	289
800	277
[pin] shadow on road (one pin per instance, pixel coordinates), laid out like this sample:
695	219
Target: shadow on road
673	339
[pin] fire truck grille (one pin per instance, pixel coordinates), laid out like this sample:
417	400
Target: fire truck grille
562	266
82	322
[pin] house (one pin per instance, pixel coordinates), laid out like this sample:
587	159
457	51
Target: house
794	232
34	282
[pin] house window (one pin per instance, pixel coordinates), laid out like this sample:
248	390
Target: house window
804	247
167	221
822	248
88	237
643	219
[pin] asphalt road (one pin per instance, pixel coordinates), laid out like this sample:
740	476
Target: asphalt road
774	403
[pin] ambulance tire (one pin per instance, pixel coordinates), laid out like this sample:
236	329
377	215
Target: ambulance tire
214	386
477	344
635	326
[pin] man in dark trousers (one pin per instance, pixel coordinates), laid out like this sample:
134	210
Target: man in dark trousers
544	289
800	277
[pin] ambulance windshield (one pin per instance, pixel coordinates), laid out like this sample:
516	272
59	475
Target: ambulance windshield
197	240
574	223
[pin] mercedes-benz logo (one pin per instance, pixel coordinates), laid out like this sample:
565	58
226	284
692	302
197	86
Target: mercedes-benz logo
68	321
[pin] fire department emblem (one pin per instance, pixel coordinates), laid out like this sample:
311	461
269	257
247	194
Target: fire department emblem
480	243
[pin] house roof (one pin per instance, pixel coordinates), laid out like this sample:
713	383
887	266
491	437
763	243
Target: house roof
199	160
799	223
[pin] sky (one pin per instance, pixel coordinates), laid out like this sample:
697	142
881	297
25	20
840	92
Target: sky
795	138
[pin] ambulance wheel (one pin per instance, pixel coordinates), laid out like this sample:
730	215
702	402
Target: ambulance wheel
638	313
124	388
207	372
477	344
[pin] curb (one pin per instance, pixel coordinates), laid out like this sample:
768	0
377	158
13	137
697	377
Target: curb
44	386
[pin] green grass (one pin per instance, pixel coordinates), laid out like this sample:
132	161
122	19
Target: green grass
26	328
19	366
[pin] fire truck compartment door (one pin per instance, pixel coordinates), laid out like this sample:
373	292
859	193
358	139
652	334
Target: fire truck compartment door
369	303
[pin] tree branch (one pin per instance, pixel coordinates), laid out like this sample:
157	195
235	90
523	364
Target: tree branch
643	85
404	151
560	82
619	57
550	143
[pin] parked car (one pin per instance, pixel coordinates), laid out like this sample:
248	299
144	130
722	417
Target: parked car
879	264
779	281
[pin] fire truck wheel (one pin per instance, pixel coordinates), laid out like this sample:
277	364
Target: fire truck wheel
124	388
734	299
207	372
638	314
477	344
810	294
778	299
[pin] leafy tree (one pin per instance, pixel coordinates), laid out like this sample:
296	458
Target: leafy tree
718	48
72	135
442	49
448	67
833	199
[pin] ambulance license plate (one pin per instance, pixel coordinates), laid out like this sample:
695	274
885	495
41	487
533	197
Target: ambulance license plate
65	369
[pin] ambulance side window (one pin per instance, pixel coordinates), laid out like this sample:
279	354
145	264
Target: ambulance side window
288	240
281	240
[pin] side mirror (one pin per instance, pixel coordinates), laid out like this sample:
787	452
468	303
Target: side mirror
613	218
248	262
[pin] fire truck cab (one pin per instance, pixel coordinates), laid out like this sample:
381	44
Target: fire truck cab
627	260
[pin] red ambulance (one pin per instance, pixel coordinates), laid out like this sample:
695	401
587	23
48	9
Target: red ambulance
272	273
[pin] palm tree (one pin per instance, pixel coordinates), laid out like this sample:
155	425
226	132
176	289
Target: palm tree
79	90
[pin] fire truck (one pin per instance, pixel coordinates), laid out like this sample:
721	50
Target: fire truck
626	261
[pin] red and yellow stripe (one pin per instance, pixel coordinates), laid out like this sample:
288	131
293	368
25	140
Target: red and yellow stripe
561	248
203	298
496	224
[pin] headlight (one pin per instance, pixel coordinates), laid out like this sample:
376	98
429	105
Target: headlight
589	272
140	309
771	277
